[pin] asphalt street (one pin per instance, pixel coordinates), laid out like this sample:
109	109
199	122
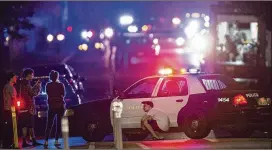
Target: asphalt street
216	140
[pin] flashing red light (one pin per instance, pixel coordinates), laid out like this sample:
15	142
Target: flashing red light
239	100
18	103
70	29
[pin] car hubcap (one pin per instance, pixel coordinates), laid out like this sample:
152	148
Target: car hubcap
194	125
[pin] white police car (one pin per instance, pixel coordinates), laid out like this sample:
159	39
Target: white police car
195	103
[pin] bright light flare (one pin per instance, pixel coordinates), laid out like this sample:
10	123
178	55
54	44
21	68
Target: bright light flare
80	47
155	41
86	34
108	32
60	37
207	24
192	29
166	71
180	41
157	49
84	47
145	28
176	21
50	37
183	71
207	18
7	38
132	29
195	15
199	43
126	20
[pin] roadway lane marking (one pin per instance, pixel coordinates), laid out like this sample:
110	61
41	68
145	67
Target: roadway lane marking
143	146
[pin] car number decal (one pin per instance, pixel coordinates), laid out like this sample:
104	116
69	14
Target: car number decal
252	95
223	100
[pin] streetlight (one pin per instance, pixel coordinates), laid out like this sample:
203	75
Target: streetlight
50	38
60	37
126	20
176	21
108	32
132	29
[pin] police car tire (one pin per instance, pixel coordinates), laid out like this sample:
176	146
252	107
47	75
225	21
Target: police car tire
203	129
96	135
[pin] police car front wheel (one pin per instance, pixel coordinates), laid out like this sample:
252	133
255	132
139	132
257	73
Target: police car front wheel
196	126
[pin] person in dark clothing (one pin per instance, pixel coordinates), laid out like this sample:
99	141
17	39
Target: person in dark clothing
9	97
27	110
55	91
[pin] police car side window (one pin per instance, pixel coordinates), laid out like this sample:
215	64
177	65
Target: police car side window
217	83
143	89
173	87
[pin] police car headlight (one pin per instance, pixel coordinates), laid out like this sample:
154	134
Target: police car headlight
69	112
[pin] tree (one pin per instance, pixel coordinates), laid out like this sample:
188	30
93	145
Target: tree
15	17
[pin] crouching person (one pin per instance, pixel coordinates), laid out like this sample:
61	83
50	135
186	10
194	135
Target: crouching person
155	121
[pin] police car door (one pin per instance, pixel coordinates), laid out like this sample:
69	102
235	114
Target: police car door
142	90
172	95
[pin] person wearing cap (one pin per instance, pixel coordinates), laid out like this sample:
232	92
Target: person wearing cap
154	121
9	96
55	91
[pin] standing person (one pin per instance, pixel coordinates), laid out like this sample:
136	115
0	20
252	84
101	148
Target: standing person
27	112
9	97
55	91
154	121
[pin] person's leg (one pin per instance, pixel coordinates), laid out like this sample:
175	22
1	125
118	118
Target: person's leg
58	124
23	121
49	124
149	128
8	130
31	129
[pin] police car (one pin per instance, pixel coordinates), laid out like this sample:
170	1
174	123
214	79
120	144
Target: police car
194	102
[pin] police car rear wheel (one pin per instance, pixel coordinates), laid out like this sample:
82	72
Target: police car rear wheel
93	133
196	127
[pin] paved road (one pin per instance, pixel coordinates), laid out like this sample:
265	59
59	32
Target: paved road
216	140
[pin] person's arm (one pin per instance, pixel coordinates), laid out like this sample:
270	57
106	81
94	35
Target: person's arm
35	90
62	90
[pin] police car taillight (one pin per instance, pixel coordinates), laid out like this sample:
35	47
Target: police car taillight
239	100
18	103
166	71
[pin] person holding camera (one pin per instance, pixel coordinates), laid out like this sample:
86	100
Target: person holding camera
27	110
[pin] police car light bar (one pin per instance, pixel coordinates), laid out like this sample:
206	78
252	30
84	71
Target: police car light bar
166	71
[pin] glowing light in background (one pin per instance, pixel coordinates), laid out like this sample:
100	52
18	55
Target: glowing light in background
176	21
187	15
132	29
108	32
155	41
50	38
207	18
126	20
157	49
199	43
84	47
195	15
207	24
145	28
69	28
7	38
180	41
80	47
97	45
192	28
166	71
60	37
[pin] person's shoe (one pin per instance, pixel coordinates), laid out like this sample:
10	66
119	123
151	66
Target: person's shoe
35	143
45	145
25	144
57	143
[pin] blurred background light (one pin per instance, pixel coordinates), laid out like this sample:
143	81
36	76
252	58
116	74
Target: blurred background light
50	38
180	41
126	20
133	29
60	37
84	47
108	32
155	41
176	21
